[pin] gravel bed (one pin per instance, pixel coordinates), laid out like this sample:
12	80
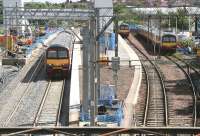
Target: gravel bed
10	95
179	95
28	108
13	92
7	73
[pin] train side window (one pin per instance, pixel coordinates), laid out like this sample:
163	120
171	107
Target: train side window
51	54
165	39
172	39
62	54
169	39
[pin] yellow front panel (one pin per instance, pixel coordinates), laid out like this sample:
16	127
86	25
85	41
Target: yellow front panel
168	44
58	62
198	52
123	31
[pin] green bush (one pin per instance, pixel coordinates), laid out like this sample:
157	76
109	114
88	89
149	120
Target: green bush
187	43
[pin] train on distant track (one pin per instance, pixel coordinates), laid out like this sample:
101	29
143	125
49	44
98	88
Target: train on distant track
124	30
166	42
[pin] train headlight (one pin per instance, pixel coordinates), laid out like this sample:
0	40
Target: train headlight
65	66
49	65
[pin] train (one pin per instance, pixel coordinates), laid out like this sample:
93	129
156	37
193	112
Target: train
58	61
166	42
169	42
124	30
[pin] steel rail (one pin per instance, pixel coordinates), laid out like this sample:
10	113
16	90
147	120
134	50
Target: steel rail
38	67
192	67
161	82
192	87
44	99
42	104
148	95
101	130
60	104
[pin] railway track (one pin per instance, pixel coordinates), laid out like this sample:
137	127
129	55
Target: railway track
25	87
191	91
48	113
155	107
194	73
141	117
18	110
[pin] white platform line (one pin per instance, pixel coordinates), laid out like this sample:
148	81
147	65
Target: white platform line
75	85
132	96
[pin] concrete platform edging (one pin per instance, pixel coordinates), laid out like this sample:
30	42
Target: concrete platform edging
74	102
131	99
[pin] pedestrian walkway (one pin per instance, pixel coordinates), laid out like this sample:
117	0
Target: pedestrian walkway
124	58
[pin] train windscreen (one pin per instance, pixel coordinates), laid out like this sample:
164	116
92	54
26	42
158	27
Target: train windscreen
168	39
124	27
52	54
62	54
57	54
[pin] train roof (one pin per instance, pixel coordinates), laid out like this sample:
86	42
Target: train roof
166	34
57	45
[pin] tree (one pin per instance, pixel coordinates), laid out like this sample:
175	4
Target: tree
182	19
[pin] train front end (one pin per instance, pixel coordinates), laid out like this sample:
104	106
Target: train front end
169	42
58	62
124	30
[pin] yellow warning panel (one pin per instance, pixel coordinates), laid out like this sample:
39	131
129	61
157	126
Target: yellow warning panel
103	60
198	52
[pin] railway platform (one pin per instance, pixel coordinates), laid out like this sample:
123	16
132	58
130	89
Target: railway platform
129	58
74	102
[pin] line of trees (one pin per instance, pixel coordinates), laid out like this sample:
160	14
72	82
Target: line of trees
67	4
125	14
180	18
128	16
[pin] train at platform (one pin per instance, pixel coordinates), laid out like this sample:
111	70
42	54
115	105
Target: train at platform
124	30
58	61
58	56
